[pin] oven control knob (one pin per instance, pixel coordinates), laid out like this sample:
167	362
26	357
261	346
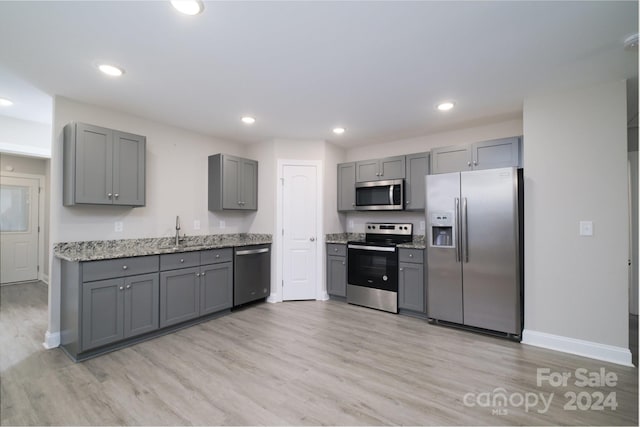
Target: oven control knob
385	278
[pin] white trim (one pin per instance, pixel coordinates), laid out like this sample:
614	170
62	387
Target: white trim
593	350
321	293
51	340
25	150
45	279
41	217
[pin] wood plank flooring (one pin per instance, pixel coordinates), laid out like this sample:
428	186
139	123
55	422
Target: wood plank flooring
295	363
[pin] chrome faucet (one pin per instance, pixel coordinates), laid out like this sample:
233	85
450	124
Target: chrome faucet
177	231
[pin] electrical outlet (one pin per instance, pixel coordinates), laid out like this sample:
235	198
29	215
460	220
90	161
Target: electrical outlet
196	224
118	226
586	228
350	226
223	224
421	225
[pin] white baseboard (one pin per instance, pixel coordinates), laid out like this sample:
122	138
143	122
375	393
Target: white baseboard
44	278
323	297
51	340
273	298
593	350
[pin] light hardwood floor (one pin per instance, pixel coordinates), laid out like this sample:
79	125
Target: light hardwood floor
295	363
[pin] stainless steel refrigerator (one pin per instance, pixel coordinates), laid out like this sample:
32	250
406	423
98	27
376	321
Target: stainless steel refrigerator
475	249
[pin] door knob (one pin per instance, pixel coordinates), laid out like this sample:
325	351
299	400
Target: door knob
313	239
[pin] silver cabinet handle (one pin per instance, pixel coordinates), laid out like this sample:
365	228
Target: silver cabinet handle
401	269
109	195
197	274
475	162
122	288
116	195
342	262
410	255
335	249
407	202
124	267
468	163
313	239
217	255
181	259
128	286
203	273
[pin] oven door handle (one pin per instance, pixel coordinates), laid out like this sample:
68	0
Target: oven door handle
373	248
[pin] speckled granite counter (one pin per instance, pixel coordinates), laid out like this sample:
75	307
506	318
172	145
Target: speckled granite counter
343	237
417	243
111	249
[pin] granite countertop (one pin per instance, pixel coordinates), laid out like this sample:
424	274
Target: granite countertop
111	249
343	238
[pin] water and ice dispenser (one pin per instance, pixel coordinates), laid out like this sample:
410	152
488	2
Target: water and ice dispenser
442	225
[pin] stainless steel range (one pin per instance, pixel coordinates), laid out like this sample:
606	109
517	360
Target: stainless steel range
372	267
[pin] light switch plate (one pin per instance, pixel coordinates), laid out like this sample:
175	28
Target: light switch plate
118	226
586	228
421	225
196	224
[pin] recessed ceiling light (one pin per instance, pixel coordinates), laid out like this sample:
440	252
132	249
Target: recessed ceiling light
445	106
4	102
111	70
188	7
338	131
248	120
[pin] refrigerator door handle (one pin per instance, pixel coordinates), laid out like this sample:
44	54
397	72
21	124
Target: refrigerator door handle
466	230
457	232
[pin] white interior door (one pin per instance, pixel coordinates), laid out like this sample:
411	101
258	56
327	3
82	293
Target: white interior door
300	242
18	229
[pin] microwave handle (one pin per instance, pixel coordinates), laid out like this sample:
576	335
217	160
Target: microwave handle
391	195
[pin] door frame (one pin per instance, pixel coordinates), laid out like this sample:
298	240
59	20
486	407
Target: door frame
41	217
278	241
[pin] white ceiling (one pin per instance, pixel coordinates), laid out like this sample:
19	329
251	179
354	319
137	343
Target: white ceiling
302	68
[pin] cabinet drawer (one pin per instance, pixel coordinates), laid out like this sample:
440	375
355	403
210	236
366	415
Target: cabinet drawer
336	249
411	255
216	255
181	260
121	267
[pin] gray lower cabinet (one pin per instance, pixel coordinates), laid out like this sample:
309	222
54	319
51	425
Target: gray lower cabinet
411	280
337	269
216	287
115	309
417	168
179	295
103	166
380	169
347	186
233	183
496	153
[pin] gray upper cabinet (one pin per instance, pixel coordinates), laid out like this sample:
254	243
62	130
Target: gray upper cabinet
380	169
451	159
417	167
497	153
103	166
347	186
233	183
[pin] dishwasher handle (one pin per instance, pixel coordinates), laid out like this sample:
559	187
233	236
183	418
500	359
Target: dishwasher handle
253	251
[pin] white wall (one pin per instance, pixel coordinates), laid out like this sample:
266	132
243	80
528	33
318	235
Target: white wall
176	184
575	169
632	134
25	137
355	221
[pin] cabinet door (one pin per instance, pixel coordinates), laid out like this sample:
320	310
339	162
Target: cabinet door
216	287
231	167
497	153
94	165
337	276
249	185
102	312
451	159
367	170
411	287
128	169
179	295
141	304
346	186
417	169
392	167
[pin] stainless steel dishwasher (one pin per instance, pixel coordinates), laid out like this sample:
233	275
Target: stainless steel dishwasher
251	273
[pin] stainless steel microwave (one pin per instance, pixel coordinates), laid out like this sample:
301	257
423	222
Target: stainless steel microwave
380	195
